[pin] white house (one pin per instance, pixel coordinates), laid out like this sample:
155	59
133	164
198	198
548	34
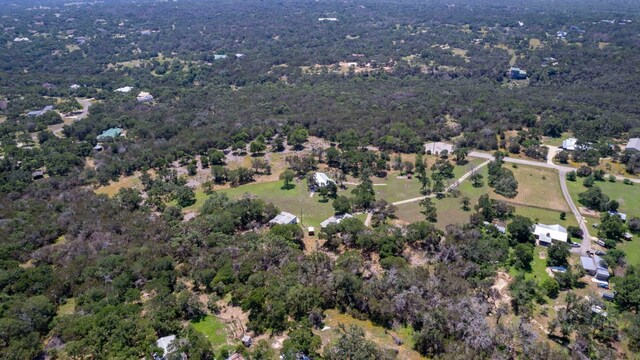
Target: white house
569	144
124	90
337	219
74	87
634	144
327	19
284	218
166	344
547	233
322	179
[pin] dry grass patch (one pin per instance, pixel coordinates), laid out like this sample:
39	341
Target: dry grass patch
537	187
535	44
132	181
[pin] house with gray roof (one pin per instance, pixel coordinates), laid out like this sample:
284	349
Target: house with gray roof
284	218
633	144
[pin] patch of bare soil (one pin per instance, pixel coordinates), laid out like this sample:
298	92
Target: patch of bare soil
415	258
501	293
235	319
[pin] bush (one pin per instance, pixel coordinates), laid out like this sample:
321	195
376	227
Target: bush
551	288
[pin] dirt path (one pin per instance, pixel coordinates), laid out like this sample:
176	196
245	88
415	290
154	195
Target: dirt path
455	183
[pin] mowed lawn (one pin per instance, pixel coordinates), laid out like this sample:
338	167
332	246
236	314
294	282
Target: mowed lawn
310	210
213	329
450	208
627	195
537	187
629	198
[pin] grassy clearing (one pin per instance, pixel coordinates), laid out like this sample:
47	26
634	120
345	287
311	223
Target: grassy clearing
213	329
311	211
125	182
373	332
538	270
536	187
627	195
556	141
68	308
546	216
535	44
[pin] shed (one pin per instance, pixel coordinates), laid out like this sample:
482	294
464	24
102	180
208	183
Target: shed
284	218
322	179
125	89
311	230
622	216
246	340
37	175
144	97
336	219
98	147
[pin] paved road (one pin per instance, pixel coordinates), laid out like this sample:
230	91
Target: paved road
562	171
455	183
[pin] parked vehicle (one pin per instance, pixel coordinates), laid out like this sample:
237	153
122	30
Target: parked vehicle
600	242
603	285
608	296
558	269
600	253
574	245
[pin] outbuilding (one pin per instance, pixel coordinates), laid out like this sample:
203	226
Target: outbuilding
284	218
548	233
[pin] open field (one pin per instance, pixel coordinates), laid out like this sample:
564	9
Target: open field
132	181
213	329
537	187
450	209
373	332
310	211
627	195
556	141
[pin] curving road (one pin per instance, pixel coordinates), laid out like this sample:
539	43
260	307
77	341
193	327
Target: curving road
562	172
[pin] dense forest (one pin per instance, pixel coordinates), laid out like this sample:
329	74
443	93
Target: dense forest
373	79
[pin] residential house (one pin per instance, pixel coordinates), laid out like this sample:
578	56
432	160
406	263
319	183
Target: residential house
74	87
124	90
109	134
48	86
595	267
219	56
437	147
167	345
322	179
327	19
336	219
517	73
548	233
569	144
98	147
633	144
144	97
284	218
40	112
622	216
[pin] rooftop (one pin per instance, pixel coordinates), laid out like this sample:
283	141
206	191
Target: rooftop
284	218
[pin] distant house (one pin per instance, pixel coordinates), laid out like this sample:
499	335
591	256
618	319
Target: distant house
21	39
548	233
74	87
144	97
561	34
167	345
40	112
284	218
239	55
98	147
517	73
48	86
633	144
37	175
622	216
437	147
327	19
569	144
124	90
336	219
109	134
219	56
322	179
